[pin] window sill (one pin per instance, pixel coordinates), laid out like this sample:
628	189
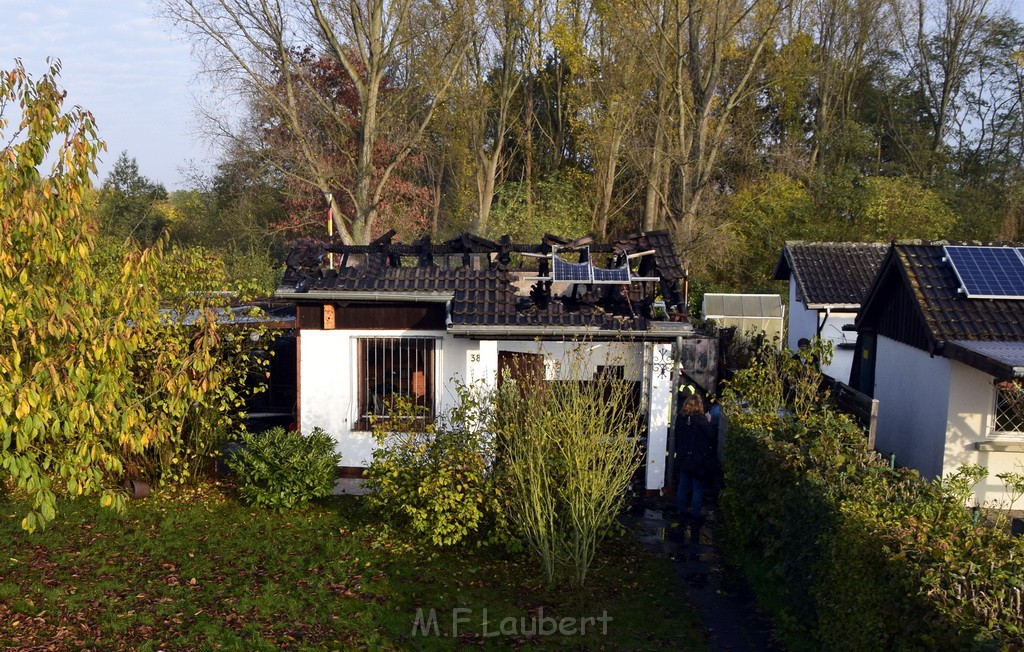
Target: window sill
1000	446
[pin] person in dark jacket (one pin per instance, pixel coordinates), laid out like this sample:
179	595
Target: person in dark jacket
696	455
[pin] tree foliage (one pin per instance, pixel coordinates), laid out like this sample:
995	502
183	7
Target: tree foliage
129	204
887	119
93	373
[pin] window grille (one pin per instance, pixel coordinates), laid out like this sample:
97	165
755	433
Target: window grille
1009	408
391	369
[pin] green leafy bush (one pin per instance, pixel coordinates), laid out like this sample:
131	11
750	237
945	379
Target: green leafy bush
848	552
283	469
438	478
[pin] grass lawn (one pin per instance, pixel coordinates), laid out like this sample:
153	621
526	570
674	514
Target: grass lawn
197	570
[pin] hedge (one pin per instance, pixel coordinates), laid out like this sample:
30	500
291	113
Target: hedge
851	554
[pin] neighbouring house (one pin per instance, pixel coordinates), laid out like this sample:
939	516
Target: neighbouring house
750	314
941	347
827	282
388	318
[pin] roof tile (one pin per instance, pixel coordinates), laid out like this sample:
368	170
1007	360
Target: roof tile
831	273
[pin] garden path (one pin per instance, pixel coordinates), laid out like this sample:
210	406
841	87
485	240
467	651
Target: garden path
719	597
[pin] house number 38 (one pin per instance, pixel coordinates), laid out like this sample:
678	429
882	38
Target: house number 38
474	357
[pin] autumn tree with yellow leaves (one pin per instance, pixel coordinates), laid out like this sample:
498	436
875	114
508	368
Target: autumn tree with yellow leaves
95	371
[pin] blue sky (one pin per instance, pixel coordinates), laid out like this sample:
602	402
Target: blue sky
122	63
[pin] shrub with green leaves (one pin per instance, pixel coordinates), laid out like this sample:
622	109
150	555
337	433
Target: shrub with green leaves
848	552
437	478
282	469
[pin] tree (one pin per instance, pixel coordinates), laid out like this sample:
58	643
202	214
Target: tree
764	216
939	41
502	45
896	208
52	410
128	203
559	205
268	54
703	56
86	379
233	212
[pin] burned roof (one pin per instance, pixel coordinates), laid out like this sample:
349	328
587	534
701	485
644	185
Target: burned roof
831	274
484	287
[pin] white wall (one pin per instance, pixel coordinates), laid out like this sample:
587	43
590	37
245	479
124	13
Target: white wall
804	323
327	378
466	361
328	368
659	415
579	360
912	389
971	419
801	321
842	359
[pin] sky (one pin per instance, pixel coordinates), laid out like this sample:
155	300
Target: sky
124	64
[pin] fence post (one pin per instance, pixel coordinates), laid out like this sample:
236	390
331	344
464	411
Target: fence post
873	425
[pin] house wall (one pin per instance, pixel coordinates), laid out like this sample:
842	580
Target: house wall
912	389
842	359
659	395
804	323
801	322
971	419
579	360
329	397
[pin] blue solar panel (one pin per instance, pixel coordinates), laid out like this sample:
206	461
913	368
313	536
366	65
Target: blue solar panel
988	272
613	275
575	272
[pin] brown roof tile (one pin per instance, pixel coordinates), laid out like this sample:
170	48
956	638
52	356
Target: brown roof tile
831	273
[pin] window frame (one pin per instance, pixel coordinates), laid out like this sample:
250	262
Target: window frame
402	349
999	388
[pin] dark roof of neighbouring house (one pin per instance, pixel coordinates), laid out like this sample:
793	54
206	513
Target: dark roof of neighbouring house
830	274
916	300
484	289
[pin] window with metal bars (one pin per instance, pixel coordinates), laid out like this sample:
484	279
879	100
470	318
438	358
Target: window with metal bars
392	369
1009	408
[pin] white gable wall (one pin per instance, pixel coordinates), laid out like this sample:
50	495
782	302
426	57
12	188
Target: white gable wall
971	420
912	389
804	323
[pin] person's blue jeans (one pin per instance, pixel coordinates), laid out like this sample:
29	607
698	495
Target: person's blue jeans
690	495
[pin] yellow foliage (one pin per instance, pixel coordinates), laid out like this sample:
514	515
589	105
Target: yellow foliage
65	306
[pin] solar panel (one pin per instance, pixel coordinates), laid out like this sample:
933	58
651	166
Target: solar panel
988	272
574	272
613	275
